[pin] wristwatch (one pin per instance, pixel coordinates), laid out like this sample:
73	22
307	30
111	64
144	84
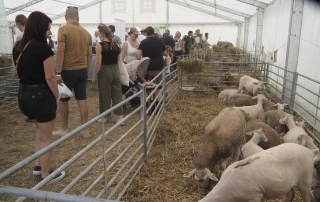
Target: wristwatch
58	73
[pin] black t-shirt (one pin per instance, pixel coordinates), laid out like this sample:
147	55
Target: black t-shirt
169	41
153	48
30	67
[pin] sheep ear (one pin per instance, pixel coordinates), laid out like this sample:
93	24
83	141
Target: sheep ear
264	138
255	97
191	173
283	120
211	176
302	140
276	105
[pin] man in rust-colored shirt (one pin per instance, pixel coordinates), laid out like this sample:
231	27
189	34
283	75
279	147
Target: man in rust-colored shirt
73	60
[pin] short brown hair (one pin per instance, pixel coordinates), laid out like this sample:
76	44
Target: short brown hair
21	19
149	31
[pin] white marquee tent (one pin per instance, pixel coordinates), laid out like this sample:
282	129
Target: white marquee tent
288	27
285	33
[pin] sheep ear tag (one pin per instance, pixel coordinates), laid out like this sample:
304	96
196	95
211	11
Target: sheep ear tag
249	133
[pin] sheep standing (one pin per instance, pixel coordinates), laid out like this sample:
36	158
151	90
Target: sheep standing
254	111
218	143
271	173
252	147
251	85
272	135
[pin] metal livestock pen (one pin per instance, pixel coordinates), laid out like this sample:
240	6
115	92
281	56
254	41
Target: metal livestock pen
129	161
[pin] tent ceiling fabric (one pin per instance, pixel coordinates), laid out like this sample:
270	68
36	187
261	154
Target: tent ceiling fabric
55	7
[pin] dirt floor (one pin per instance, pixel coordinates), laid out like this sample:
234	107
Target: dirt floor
161	180
16	143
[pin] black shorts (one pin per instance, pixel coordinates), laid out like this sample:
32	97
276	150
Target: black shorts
76	80
37	103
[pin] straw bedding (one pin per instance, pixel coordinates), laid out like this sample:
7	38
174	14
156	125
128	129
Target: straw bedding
161	178
172	155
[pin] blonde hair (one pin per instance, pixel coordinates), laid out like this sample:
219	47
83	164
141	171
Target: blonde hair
106	31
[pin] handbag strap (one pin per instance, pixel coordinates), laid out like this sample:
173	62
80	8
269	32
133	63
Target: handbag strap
21	53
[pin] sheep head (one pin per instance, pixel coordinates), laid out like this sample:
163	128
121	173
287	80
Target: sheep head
262	135
301	124
261	85
202	175
260	97
280	106
284	119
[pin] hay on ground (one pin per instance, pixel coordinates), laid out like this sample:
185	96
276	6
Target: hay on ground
172	155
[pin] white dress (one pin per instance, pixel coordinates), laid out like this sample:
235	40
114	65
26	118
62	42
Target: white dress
131	53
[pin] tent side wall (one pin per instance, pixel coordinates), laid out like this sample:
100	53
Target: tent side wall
181	19
275	38
252	33
309	62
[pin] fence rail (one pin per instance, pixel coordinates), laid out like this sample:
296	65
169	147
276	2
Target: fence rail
153	101
118	173
282	85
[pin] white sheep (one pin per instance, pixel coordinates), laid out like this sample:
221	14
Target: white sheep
271	173
280	106
255	111
219	142
226	94
252	147
297	134
251	85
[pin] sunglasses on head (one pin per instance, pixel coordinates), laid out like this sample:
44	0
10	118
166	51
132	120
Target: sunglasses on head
72	7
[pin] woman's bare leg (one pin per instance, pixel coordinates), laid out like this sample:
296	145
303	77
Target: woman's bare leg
45	130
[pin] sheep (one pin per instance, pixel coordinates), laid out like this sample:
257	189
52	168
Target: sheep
272	118
218	143
297	134
226	94
231	78
271	173
255	111
280	106
272	135
316	190
268	105
252	147
241	100
243	62
251	85
301	124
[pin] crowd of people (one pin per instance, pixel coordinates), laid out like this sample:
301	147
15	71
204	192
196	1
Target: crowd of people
38	96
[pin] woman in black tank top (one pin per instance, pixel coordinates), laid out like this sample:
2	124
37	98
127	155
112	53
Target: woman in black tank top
107	71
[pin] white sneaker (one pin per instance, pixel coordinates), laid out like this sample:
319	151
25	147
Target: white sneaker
57	178
60	132
100	120
85	133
